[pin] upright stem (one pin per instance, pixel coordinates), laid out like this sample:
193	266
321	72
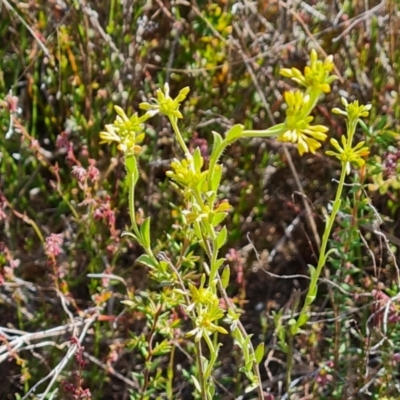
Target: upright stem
323	254
210	250
178	135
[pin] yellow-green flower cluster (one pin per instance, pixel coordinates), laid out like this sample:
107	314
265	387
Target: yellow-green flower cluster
353	111
316	75
208	311
205	213
297	128
347	154
184	173
127	132
164	104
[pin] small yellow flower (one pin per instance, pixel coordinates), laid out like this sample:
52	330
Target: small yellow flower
202	297
164	104
127	132
354	110
205	325
316	75
297	128
109	135
348	154
184	172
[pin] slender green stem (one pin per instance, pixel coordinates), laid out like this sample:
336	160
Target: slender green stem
182	143
289	363
199	354
111	15
312	290
32	223
216	154
273	131
213	261
170	374
325	238
210	250
213	353
132	203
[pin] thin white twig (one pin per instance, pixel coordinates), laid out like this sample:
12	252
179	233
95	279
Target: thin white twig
363	16
26	338
57	370
108	276
32	32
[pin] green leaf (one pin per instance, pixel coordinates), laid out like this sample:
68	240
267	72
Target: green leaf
221	238
196	383
126	233
310	298
211	390
260	352
234	133
201	184
226	273
198	160
218	218
217	141
302	320
205	367
147	261
197	231
219	262
381	123
145	231
249	365
216	148
161	348
216	177
250	388
131	167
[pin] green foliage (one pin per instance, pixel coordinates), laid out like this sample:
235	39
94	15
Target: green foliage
131	276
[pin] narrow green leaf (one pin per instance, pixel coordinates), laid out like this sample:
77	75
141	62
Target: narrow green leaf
302	320
234	133
197	231
219	262
250	388
218	218
249	365
147	261
216	146
217	140
198	160
221	238
131	167
145	231
211	390
196	383
226	273
216	177
382	122
260	352
202	183
126	233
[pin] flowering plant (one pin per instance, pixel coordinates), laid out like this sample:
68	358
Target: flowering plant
202	214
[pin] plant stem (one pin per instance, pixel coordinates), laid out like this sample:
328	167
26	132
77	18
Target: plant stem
323	253
210	250
203	392
182	143
289	363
